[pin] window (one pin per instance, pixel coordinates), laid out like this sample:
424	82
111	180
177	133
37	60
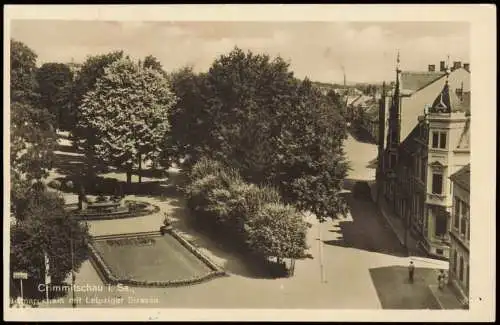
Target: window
463	226
442	141
456	214
437	183
423	167
439	140
441	224
394	160
461	269
468	276
454	262
435	139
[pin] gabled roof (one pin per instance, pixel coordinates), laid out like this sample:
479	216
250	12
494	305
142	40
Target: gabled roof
442	103
462	177
447	102
415	80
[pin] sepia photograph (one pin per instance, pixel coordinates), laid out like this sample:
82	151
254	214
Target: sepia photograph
243	164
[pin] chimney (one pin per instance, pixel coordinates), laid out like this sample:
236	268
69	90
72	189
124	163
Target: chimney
467	66
457	65
432	67
442	66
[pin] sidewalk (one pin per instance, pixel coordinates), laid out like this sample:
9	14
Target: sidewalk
445	297
395	223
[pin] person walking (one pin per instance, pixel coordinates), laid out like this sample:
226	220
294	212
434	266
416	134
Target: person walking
441	279
411	271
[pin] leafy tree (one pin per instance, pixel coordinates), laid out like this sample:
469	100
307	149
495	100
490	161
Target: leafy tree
246	97
90	71
274	129
311	163
40	223
32	136
126	113
55	82
153	63
279	231
186	140
45	228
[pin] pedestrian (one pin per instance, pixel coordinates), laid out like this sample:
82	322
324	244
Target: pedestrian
441	279
411	271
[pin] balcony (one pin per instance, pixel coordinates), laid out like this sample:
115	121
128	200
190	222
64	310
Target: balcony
438	199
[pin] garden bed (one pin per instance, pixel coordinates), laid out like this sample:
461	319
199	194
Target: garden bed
150	260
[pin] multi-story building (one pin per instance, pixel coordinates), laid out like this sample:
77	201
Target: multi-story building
427	140
460	233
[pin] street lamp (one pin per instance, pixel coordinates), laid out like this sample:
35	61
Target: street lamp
72	269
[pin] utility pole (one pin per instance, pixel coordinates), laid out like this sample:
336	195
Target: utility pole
321	259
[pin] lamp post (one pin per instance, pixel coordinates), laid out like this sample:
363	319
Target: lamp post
72	270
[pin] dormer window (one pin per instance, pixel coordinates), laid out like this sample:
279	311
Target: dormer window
439	140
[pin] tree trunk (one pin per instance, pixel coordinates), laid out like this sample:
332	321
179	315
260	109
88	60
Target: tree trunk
129	175
140	167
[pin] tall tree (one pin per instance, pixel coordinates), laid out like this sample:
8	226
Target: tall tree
246	96
39	224
90	71
311	164
32	135
127	113
55	82
274	129
188	117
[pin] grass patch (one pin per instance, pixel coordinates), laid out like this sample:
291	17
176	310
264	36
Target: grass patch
150	258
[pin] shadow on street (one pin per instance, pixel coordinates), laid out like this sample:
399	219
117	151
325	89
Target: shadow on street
361	135
396	292
367	230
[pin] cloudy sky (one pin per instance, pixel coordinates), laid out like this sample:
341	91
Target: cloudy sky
317	50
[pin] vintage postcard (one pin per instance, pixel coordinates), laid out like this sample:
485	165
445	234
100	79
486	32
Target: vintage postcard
249	162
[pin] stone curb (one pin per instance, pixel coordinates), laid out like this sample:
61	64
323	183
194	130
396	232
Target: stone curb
124	215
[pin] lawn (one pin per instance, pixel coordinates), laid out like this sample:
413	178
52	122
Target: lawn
152	258
396	292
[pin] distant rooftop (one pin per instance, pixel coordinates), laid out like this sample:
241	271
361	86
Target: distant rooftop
416	80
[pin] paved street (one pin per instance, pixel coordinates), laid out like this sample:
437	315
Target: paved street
338	276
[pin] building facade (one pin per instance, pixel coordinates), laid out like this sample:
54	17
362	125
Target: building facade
460	233
418	159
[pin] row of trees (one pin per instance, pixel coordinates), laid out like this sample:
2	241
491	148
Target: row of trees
248	110
254	216
40	224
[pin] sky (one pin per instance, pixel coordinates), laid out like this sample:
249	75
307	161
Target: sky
317	50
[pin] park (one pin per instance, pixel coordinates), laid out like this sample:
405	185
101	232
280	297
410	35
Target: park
176	185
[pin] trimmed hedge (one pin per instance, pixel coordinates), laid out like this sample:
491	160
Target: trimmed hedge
252	216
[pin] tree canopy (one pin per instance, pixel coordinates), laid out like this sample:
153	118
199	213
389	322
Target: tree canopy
55	82
253	114
127	113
